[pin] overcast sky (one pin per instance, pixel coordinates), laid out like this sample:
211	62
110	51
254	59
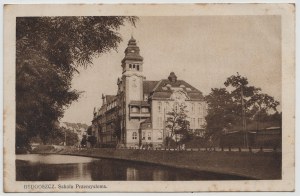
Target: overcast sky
202	50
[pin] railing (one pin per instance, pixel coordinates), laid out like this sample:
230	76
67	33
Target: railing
207	149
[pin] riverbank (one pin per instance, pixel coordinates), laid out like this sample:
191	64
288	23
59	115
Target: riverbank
260	165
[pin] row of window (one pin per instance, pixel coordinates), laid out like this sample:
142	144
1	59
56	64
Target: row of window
200	122
200	107
134	66
149	136
135	109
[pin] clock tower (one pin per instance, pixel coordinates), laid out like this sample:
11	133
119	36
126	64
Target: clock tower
132	68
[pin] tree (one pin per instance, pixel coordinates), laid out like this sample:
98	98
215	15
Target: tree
262	104
83	141
177	124
221	112
93	140
241	94
48	52
233	109
117	127
61	135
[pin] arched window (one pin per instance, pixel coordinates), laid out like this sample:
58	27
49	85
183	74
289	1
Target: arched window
193	108
134	135
167	107
159	107
149	135
134	109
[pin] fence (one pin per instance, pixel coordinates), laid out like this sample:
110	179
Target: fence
207	149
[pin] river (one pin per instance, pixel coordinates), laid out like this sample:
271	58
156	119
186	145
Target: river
35	167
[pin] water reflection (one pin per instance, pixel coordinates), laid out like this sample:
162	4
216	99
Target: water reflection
74	168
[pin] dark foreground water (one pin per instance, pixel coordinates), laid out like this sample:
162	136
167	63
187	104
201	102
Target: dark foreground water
35	167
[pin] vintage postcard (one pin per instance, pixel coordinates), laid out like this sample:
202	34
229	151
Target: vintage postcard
149	98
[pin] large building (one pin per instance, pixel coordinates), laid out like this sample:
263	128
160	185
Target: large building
138	113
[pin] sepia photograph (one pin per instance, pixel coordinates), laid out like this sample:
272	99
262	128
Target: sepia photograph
113	94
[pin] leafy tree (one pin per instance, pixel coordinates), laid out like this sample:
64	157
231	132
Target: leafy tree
117	127
83	141
177	124
48	52
61	135
93	140
262	104
221	112
236	108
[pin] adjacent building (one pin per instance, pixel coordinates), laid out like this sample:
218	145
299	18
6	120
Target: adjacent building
137	114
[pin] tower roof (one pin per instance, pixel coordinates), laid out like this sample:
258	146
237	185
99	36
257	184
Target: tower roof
132	52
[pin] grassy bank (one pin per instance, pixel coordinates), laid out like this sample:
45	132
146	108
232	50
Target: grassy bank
261	165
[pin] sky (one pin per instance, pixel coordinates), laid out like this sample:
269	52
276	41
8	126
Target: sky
202	50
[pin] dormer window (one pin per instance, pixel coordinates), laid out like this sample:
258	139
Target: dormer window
145	97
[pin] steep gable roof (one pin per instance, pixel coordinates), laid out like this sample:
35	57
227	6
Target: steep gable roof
165	88
148	86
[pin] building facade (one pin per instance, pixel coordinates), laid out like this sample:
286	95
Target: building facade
138	113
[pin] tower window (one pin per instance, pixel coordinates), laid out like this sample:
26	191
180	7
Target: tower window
138	67
134	135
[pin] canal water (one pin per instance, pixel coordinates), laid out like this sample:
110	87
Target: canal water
34	167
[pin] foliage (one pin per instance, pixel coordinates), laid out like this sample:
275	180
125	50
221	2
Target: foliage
243	105
117	127
93	140
221	111
177	124
48	52
61	135
83	141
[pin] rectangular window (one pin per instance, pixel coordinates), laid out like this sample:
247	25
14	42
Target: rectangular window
134	135
138	67
133	66
160	136
143	136
149	135
193	108
129	66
